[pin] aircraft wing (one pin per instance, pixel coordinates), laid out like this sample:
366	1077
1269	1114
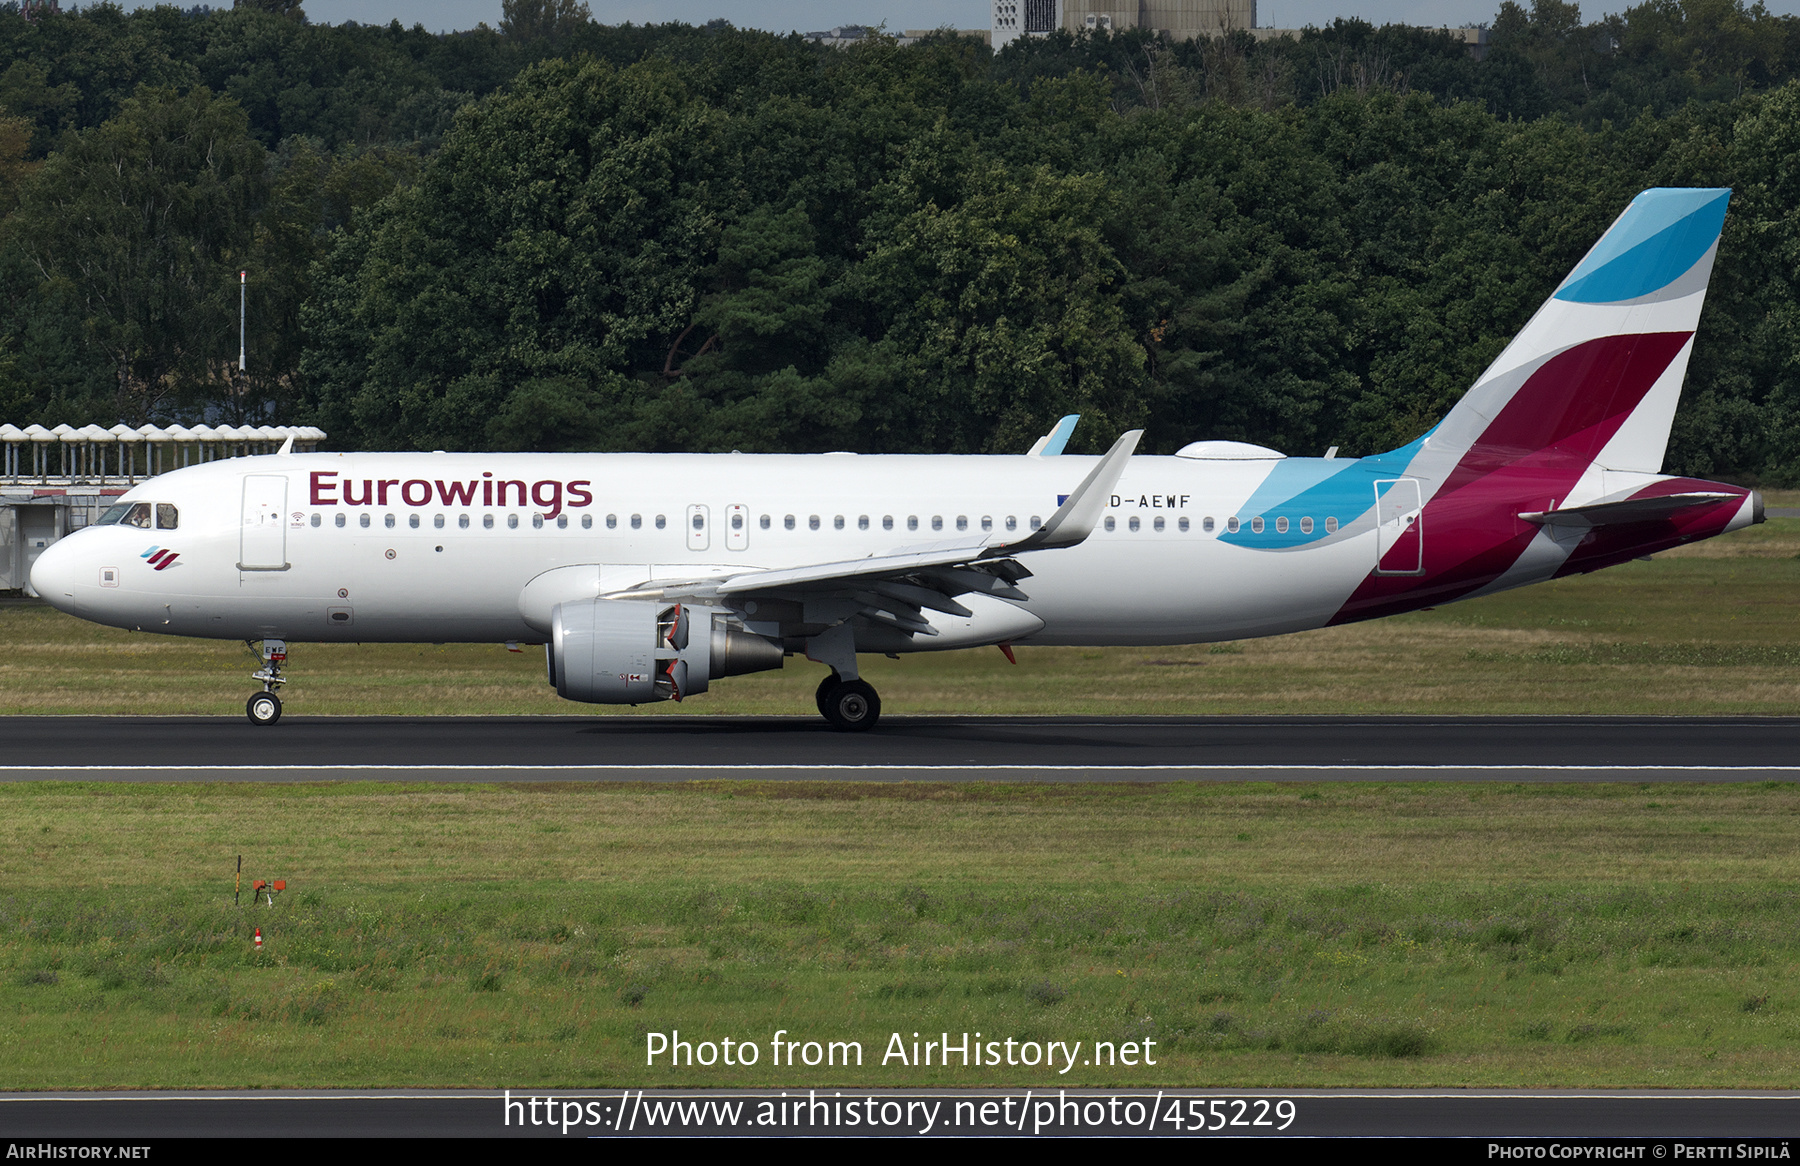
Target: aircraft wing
892	588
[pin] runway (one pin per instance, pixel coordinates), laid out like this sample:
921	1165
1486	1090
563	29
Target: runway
1067	749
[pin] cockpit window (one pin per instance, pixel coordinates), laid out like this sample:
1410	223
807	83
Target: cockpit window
167	518
138	515
114	513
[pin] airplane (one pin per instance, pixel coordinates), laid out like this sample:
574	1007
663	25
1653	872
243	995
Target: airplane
649	576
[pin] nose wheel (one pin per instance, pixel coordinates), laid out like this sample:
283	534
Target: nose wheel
264	708
852	706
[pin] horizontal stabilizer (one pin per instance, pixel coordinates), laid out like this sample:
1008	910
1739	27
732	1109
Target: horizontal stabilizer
1606	513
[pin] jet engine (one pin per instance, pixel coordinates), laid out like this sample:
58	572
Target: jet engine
635	651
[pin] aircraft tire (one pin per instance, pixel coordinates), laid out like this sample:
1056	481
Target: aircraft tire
831	678
263	709
852	706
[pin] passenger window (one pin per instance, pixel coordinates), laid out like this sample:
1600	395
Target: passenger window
166	517
487	522
537	522
764	522
1331	526
1012	522
512	522
462	522
912	522
862	522
1133	524
837	523
562	521
962	522
1281	525
637	522
340	521
812	522
1206	524
887	522
1231	525
1256	525
1110	524
412	520
1036	522
389	522
661	522
1182	524
1158	522
612	522
362	520
937	522
1306	526
788	522
437	521
699	522
587	522
317	520
737	521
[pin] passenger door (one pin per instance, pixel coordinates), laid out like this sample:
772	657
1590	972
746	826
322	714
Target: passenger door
1400	534
262	540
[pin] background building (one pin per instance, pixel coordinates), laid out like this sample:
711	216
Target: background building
1182	19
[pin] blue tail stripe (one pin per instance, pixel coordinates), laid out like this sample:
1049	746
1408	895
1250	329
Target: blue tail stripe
1661	235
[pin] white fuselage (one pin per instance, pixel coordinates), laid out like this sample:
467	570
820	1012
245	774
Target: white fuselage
369	550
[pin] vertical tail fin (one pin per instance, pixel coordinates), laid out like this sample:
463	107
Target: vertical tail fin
1594	377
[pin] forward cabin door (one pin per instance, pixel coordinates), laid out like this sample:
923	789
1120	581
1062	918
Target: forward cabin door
262	540
1400	535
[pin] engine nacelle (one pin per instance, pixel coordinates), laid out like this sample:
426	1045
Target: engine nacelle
635	651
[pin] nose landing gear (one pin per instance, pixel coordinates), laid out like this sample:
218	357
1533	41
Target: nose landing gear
851	706
264	708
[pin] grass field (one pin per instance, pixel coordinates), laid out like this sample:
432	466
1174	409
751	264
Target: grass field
1260	935
1712	628
1372	935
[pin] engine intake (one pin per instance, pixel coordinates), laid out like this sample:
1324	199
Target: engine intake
636	651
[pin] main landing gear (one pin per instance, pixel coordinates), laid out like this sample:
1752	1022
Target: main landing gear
850	705
265	707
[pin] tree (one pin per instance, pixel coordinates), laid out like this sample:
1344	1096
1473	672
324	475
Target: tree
139	226
542	19
288	8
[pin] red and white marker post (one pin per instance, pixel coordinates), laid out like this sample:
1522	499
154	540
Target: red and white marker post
259	939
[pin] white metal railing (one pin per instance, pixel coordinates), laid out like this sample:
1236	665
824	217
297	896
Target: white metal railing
122	455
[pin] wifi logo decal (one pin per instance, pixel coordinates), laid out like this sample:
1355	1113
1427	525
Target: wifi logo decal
160	557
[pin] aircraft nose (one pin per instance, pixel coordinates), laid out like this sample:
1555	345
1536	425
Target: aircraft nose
53	575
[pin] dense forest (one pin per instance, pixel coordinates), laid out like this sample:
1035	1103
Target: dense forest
560	235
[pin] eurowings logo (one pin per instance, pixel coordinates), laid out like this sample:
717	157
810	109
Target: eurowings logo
160	557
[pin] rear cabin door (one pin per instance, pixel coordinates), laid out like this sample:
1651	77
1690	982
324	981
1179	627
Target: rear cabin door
1400	533
262	541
